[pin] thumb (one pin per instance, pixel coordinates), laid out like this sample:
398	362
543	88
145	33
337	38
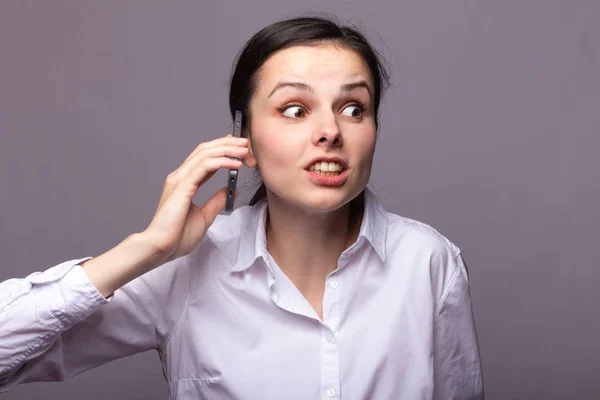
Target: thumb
213	206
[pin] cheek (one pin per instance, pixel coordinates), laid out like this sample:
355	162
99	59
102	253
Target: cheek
365	166
364	152
276	147
365	146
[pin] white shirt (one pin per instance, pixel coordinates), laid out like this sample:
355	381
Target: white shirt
229	324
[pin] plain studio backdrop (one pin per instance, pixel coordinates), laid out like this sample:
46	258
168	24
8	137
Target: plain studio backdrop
490	134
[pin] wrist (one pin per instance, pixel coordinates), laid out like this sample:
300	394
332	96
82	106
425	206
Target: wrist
130	259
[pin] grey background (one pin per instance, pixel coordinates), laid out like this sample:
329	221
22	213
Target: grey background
490	134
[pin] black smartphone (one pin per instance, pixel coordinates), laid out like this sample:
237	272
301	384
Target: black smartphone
233	173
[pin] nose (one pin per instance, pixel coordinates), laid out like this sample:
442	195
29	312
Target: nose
327	132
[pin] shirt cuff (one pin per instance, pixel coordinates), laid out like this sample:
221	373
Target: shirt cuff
76	295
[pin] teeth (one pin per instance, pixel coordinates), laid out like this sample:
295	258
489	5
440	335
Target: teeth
328	173
326	167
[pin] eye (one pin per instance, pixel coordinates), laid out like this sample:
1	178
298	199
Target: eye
354	110
293	111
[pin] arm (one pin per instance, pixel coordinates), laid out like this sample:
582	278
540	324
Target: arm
56	324
457	365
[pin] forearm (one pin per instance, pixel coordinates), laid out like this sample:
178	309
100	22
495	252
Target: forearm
55	324
130	259
39	308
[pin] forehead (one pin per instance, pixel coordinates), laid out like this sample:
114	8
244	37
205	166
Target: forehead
314	64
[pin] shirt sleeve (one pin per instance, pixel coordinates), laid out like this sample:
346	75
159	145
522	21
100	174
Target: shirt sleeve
457	364
55	324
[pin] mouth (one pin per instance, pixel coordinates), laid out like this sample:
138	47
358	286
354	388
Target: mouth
325	168
327	173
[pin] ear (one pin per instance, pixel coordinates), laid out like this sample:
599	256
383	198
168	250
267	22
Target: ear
250	159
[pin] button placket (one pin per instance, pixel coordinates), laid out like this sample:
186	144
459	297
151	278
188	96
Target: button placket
330	348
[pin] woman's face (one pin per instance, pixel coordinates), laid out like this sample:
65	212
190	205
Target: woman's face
313	103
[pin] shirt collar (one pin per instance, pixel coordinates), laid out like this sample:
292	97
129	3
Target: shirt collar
253	241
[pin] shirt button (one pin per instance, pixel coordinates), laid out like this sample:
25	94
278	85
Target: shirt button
331	392
330	338
334	283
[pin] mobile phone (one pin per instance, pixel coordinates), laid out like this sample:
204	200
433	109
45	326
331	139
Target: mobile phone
233	173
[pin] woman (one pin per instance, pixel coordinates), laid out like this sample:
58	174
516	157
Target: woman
312	291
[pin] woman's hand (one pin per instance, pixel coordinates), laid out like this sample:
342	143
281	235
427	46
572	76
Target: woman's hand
178	224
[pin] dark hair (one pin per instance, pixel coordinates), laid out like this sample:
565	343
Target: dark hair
297	32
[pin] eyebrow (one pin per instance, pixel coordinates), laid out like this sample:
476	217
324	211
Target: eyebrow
348	87
297	85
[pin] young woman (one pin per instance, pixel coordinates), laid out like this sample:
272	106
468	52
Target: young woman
314	291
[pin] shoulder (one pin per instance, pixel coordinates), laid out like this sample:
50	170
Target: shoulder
221	239
407	232
229	237
227	232
230	227
426	254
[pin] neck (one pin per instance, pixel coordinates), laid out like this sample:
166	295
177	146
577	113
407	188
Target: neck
307	245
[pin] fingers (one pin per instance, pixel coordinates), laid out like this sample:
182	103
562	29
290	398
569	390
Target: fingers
211	152
223	141
204	161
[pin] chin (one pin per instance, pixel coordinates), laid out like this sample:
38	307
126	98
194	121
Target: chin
323	206
319	199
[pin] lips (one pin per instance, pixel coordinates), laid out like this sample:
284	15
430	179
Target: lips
327	171
327	180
